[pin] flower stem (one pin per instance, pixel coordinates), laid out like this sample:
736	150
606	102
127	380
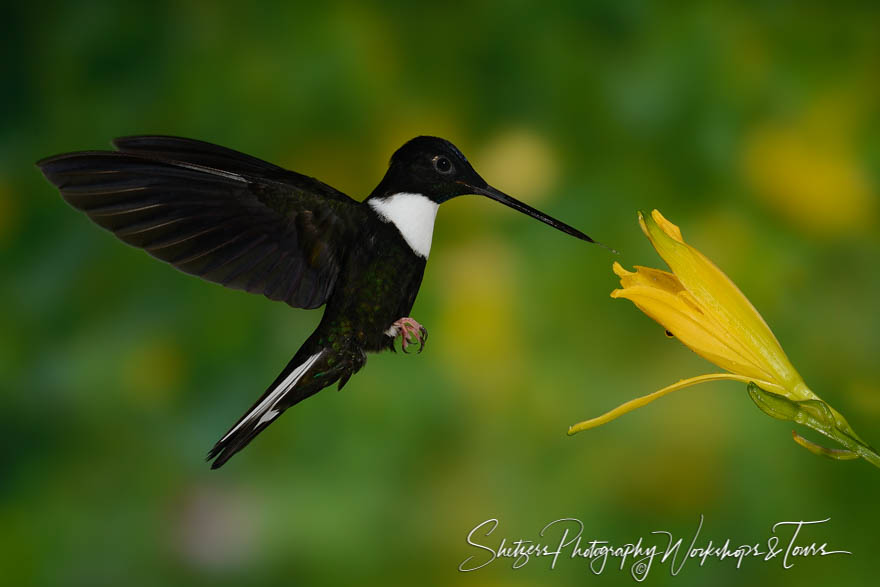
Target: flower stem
645	400
815	414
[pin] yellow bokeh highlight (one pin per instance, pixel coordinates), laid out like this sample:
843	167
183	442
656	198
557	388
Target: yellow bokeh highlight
521	162
479	313
809	170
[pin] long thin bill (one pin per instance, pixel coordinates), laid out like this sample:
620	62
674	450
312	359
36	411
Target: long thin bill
500	196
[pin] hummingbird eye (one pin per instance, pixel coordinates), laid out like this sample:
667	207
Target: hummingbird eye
442	164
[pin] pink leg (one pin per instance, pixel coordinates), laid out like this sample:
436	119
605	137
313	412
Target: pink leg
410	333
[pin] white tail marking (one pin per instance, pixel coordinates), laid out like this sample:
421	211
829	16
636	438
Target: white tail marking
266	408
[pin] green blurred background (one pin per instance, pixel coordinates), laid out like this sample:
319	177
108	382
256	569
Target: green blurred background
754	126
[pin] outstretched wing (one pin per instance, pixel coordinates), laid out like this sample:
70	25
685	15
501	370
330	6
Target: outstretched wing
217	157
216	213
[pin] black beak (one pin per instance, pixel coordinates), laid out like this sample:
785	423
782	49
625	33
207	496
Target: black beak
500	196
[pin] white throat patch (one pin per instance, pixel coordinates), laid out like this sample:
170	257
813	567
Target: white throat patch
413	215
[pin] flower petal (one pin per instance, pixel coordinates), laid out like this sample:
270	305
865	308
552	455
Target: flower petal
719	298
649	277
686	322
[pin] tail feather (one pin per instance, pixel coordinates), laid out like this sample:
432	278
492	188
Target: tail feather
294	384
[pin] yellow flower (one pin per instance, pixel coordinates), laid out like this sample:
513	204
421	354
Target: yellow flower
700	306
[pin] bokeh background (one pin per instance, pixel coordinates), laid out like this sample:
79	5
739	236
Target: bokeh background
754	126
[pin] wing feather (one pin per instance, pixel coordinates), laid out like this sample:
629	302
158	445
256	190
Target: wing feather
213	212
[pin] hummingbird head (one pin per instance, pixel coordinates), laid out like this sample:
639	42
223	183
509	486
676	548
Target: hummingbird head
435	169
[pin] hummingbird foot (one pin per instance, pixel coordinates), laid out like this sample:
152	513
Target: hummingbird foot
410	333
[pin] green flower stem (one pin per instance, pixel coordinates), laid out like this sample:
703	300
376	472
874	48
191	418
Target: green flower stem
819	416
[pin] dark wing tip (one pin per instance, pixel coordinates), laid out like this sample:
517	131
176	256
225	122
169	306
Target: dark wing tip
53	159
54	166
77	155
45	161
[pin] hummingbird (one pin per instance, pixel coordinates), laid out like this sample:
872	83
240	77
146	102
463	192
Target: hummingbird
239	221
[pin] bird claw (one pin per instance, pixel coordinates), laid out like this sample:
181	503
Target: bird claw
410	333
